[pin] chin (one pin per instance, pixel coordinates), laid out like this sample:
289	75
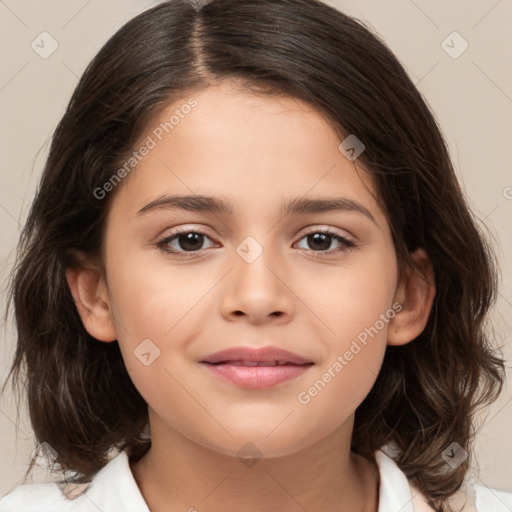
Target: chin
256	444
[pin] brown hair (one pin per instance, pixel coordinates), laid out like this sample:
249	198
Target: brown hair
80	397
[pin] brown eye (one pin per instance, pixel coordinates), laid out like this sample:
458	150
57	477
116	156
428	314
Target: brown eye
183	241
190	241
320	241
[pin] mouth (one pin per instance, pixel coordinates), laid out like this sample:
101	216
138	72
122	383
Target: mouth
238	362
265	356
256	368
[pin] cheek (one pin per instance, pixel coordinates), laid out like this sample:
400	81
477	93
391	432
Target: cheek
353	359
356	305
338	388
149	300
153	312
345	300
159	310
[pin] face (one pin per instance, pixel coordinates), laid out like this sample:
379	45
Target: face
185	283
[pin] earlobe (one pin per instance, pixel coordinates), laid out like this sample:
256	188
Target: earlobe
90	293
416	293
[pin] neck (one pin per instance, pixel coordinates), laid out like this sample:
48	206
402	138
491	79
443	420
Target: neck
178	474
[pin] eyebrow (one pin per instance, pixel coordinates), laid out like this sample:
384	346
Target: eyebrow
300	205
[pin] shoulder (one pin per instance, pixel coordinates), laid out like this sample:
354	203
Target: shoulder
44	497
398	493
492	500
112	489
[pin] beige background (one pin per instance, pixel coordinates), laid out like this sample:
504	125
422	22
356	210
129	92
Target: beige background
471	97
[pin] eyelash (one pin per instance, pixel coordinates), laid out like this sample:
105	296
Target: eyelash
162	244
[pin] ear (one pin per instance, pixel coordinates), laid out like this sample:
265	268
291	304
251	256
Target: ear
415	293
90	292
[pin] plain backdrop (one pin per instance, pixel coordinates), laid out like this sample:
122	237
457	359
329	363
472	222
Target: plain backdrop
468	88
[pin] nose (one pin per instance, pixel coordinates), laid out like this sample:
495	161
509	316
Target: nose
258	289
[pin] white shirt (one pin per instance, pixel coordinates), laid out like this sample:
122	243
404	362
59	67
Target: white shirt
114	489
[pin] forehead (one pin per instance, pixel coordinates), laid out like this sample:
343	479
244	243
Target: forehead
250	148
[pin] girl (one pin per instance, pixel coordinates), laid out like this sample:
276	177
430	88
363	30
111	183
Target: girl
322	346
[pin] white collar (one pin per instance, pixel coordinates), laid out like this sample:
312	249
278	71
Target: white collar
394	490
114	487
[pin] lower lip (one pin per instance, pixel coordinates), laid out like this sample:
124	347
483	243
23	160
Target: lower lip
256	377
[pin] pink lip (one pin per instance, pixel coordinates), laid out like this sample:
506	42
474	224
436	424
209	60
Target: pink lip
275	365
267	354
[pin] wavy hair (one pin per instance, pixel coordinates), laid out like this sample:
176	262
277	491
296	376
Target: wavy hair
80	397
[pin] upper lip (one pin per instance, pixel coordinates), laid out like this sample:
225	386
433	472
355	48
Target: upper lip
267	354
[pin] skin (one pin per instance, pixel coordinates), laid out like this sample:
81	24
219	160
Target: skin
256	152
